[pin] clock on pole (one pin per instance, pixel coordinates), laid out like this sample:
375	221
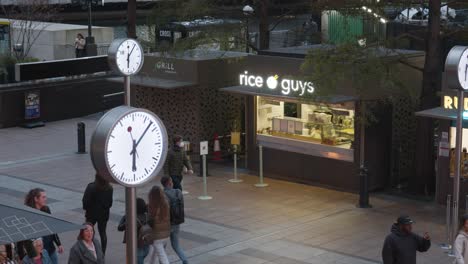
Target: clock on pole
125	56
456	70
129	145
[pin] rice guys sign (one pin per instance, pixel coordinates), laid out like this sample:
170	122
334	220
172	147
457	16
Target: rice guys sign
287	86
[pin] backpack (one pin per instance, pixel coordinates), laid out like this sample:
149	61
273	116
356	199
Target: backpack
177	209
144	235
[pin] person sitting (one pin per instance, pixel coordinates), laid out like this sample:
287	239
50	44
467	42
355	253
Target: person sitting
42	257
86	250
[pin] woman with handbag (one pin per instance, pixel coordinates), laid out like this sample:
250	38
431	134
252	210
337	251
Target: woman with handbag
159	218
142	219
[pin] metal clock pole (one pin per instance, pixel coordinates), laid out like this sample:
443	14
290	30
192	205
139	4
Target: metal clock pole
458	150
130	202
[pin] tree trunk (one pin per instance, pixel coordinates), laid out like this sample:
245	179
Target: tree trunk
263	28
131	19
424	179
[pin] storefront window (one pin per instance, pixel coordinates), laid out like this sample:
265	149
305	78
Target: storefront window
464	157
311	122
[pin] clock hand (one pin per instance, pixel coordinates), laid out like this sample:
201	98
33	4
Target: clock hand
131	136
134	168
128	57
132	50
139	140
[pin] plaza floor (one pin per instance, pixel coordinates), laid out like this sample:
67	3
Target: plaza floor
284	223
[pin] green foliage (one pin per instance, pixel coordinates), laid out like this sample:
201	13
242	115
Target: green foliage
369	72
7	61
164	12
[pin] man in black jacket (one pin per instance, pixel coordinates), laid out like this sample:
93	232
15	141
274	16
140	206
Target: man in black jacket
175	162
401	244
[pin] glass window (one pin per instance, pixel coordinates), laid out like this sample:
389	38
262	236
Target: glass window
464	157
312	122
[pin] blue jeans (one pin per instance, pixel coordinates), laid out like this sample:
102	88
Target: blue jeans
175	243
54	257
142	253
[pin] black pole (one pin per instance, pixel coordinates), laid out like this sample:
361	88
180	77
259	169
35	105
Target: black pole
81	127
363	172
89	19
364	187
131	18
247	34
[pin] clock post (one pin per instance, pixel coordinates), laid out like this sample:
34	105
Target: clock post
126	57
130	202
456	68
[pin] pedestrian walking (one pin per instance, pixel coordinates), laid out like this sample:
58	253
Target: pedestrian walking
401	244
97	201
177	214
159	217
86	250
460	248
142	219
37	198
80	46
42	256
175	162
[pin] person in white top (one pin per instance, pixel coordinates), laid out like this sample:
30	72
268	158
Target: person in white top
80	45
460	248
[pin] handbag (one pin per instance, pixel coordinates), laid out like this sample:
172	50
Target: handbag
145	234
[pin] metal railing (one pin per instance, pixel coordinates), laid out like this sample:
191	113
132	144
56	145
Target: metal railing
70	50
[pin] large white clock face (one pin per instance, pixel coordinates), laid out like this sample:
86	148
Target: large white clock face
463	70
134	149
129	57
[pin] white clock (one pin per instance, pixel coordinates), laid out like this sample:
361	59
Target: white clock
129	146
456	68
125	56
463	70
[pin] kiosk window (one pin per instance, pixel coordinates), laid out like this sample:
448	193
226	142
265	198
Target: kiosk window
311	122
464	156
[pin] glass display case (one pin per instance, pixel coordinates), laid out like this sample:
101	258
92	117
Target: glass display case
327	124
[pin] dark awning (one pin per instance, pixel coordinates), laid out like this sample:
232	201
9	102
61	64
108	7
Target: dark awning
336	99
19	222
155	82
439	113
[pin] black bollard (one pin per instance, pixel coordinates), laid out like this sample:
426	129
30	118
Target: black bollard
363	188
81	138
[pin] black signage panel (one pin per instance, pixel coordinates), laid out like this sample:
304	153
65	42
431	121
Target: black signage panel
60	68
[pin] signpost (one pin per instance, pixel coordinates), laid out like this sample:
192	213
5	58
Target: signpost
235	141
203	153
261	184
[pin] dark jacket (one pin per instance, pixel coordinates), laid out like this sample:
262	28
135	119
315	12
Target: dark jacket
175	162
400	248
80	254
176	203
51	240
97	203
141	220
